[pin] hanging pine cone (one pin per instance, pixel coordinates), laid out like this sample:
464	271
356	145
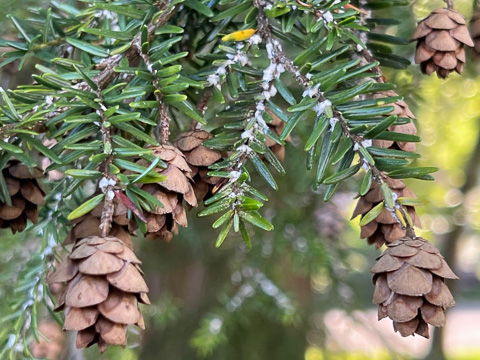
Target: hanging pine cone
475	31
277	126
89	224
385	228
104	286
163	221
409	286
199	158
25	193
53	346
402	110
441	39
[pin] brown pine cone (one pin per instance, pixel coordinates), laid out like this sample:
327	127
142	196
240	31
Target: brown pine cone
199	158
402	111
409	286
277	126
385	228
53	346
441	39
25	193
164	221
89	224
475	31
104	286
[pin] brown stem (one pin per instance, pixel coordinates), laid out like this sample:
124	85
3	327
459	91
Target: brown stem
164	124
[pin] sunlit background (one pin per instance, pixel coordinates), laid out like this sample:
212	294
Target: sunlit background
304	291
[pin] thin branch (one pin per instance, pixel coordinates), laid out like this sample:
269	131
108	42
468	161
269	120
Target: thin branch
378	176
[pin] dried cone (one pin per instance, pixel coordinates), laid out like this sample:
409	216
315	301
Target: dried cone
53	346
277	126
162	222
385	228
441	40
199	158
475	31
409	286
104	286
402	111
25	193
89	224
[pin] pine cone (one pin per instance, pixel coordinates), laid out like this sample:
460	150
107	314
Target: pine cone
277	126
25	193
199	158
104	286
89	225
441	38
53	346
409	286
164	221
402	111
385	228
475	31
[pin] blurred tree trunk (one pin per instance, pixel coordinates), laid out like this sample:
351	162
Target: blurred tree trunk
450	246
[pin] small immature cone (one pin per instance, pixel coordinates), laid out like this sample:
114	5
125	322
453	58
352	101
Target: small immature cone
441	39
25	193
199	158
402	110
475	31
89	224
409	286
104	286
162	222
385	228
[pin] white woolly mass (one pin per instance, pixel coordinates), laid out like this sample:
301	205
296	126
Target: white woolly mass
247	134
213	79
320	107
110	195
234	175
333	121
245	149
105	182
255	39
311	91
365	165
367	143
327	16
269	48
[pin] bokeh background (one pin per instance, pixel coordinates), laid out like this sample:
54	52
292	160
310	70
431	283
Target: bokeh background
303	291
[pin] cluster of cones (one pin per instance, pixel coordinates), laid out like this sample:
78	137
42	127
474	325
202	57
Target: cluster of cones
25	195
409	286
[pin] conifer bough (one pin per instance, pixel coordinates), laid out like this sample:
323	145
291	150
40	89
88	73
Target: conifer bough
118	82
